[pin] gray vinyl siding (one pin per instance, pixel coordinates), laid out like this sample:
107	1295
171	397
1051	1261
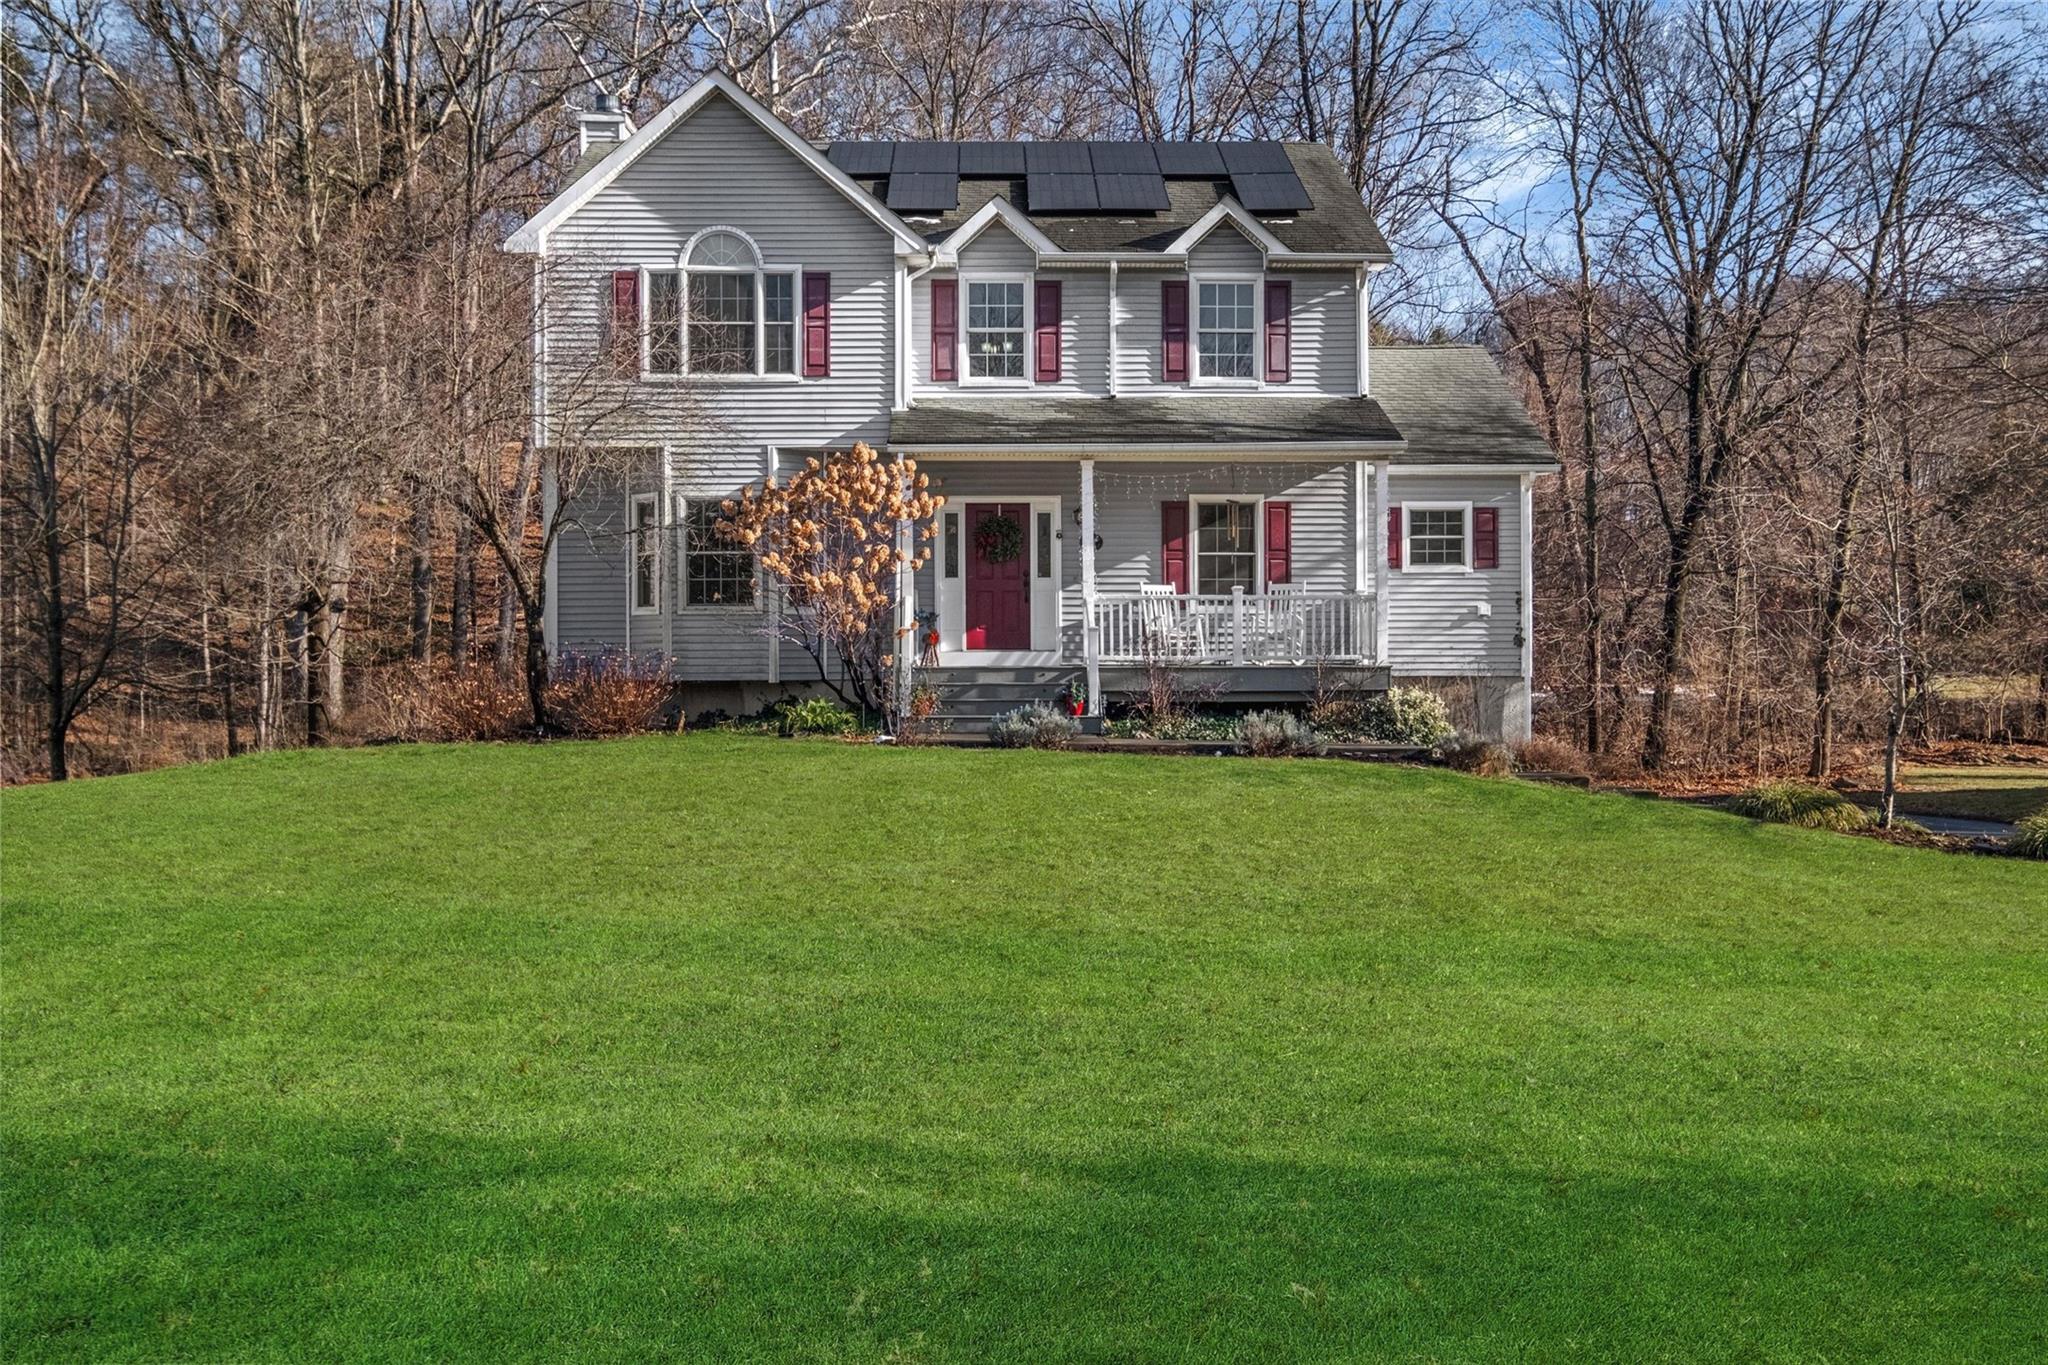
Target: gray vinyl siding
707	643
715	168
1433	626
1084	320
1226	251
1127	517
1325	317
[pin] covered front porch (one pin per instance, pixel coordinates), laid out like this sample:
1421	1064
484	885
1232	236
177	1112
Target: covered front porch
1267	563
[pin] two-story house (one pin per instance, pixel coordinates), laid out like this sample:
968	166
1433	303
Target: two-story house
1140	373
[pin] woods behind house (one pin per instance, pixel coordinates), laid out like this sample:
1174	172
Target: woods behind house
1773	277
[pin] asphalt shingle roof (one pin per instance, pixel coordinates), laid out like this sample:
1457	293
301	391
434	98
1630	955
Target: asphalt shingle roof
1454	406
1053	423
1450	403
1337	222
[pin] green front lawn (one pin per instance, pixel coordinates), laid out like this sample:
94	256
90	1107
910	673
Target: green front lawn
713	1048
2009	792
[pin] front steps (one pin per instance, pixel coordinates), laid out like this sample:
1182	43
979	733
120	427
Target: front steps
969	698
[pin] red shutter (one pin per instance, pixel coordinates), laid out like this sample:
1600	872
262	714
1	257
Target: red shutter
1279	542
1279	331
1486	537
1393	537
1173	331
945	328
625	340
817	325
1046	322
1173	543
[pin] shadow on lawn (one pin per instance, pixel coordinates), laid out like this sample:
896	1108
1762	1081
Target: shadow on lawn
352	1240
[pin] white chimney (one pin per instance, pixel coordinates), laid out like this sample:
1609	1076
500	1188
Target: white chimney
602	123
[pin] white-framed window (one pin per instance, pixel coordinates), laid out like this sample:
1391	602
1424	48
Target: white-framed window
1229	535
1436	535
722	311
995	328
716	572
1227	329
644	535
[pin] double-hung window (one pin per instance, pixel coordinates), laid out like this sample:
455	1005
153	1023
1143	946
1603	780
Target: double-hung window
1226	333
1226	545
716	572
995	329
645	535
1437	537
722	313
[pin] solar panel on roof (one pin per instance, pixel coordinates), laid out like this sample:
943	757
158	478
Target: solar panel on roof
862	158
927	158
1188	160
1060	193
1270	193
1123	158
923	192
1130	192
1254	158
1056	158
991	158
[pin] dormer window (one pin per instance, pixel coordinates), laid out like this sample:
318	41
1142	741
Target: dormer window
995	329
723	312
1226	333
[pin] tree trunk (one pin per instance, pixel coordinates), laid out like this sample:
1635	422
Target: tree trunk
462	596
508	625
59	713
1834	600
422	578
536	660
1670	646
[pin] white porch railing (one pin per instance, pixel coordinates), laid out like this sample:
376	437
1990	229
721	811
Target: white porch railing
1279	626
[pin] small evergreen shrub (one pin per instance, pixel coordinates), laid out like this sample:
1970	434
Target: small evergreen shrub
1479	757
1405	715
816	716
2031	840
1796	803
1277	734
1199	727
1036	726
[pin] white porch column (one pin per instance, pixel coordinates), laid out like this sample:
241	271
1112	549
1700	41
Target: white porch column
905	645
1383	580
1110	378
1091	639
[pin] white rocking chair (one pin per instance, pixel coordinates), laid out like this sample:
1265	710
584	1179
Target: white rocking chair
1170	630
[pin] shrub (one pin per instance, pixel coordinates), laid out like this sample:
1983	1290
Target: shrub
1795	803
816	716
476	703
2031	839
611	693
1480	757
1277	734
1405	715
1546	755
1198	727
1036	726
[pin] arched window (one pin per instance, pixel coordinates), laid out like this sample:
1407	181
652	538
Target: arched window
723	311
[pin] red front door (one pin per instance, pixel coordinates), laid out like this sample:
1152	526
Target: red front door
998	594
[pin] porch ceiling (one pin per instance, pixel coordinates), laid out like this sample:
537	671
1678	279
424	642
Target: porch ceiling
1239	425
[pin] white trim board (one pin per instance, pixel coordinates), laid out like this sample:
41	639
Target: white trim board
531	237
1010	216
